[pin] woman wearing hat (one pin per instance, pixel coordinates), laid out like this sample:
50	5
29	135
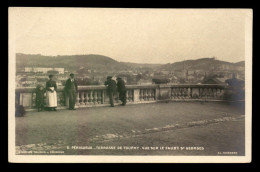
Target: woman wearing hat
51	94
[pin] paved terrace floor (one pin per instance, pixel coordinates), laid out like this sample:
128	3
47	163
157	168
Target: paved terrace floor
211	127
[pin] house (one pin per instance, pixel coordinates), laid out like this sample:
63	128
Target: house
214	81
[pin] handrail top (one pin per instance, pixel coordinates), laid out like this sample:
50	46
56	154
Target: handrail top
102	87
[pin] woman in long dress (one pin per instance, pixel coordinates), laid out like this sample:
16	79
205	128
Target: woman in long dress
51	94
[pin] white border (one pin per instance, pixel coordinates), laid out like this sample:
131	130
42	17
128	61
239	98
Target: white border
130	159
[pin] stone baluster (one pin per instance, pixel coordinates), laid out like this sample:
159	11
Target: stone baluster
189	93
95	97
145	95
87	99
133	94
214	92
200	92
185	93
141	95
176	93
82	99
221	93
103	96
34	100
181	93
90	97
127	96
210	93
150	94
153	94
58	98
61	98
206	93
99	97
218	93
173	95
130	96
77	99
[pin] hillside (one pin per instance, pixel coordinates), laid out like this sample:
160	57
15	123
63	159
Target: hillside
104	63
205	64
141	65
73	62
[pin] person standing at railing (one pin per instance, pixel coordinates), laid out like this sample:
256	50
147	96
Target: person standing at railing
122	90
111	89
51	94
71	87
39	97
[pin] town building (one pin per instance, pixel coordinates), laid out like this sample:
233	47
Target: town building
43	70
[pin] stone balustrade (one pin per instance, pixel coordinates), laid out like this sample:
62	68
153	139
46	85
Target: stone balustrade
91	96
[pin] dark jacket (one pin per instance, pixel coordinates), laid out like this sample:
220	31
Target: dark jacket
39	95
69	83
49	84
121	85
111	85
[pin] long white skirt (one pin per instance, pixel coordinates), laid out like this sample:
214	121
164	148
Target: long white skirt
51	98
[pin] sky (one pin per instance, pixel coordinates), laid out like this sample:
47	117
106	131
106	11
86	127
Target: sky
130	35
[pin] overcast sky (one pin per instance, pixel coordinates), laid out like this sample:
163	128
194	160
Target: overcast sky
130	35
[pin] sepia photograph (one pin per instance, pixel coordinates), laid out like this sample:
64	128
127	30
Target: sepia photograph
129	85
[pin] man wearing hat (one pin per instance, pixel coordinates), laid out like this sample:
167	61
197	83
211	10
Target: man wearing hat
51	94
122	90
111	89
71	87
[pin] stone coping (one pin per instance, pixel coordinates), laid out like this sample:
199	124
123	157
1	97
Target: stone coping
102	87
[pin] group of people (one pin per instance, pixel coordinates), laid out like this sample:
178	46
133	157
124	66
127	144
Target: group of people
112	87
71	89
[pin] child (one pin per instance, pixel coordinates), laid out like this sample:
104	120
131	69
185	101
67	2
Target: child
19	110
39	97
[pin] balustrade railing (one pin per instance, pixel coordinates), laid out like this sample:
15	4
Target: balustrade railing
88	96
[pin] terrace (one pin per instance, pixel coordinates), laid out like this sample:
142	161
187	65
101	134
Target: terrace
169	116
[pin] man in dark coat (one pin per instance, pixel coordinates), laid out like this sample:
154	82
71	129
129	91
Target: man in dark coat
122	90
71	87
111	89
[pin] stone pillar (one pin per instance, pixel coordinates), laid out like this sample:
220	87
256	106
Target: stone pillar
157	94
165	93
67	100
86	99
136	93
82	98
195	93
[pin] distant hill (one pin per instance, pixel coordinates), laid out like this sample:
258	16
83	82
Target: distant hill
141	65
104	63
73	62
241	63
202	64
